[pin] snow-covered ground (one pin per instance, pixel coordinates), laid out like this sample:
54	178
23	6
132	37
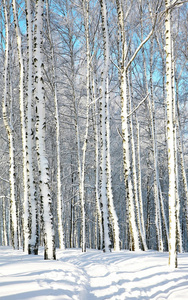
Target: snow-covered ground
92	275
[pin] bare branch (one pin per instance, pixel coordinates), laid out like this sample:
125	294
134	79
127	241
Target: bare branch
132	112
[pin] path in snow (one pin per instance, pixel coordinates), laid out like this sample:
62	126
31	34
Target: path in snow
92	275
129	275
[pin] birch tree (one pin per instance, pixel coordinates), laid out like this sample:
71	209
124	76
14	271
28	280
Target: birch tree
57	122
103	141
33	213
10	130
170	140
97	194
182	159
125	131
45	196
177	185
138	199
106	181
4	239
23	127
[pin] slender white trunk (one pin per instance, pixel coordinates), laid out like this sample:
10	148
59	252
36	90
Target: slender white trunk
96	132
140	184
170	142
134	236
158	223
33	237
10	132
127	166
112	212
59	187
184	175
134	173
82	192
23	129
5	242
46	201
81	182
158	199
175	117
103	119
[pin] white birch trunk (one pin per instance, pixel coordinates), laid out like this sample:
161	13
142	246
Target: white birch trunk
158	223
4	238
175	117
158	199
125	135
59	187
81	184
23	129
127	166
182	163
112	212
82	192
140	183
10	132
170	142
33	237
138	205
103	116
46	201
96	132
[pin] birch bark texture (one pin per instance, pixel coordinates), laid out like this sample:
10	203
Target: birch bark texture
10	132
133	230
23	128
170	141
108	209
33	209
103	140
58	150
43	166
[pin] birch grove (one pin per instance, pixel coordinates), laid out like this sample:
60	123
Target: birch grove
94	125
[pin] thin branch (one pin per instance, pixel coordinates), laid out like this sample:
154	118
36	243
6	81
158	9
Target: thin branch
115	65
5	180
132	112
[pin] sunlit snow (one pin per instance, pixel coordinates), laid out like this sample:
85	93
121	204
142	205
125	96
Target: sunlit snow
92	275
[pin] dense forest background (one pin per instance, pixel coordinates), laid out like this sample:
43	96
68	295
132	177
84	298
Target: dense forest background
84	93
